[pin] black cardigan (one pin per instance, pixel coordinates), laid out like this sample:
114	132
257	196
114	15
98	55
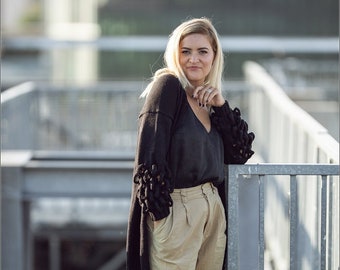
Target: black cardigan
152	178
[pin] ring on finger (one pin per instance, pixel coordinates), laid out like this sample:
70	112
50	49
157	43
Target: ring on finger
209	90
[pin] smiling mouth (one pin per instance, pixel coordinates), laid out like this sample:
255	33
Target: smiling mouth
193	67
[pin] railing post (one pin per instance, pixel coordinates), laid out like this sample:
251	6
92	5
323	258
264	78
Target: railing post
323	235
12	229
293	222
330	223
261	222
233	225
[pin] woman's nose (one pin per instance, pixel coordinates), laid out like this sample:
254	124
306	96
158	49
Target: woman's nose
193	58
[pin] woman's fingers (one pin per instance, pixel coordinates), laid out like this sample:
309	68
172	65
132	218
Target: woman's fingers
205	94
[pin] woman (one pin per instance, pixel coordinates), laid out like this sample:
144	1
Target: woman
187	132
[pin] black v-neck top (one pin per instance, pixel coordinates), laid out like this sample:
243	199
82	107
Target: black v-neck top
172	139
195	155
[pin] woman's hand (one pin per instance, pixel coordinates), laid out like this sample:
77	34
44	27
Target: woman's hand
207	95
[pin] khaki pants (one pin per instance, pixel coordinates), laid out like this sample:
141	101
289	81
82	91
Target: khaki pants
193	236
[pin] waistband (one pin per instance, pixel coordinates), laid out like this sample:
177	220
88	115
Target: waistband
194	192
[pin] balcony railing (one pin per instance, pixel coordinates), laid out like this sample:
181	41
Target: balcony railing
257	44
283	222
287	133
27	177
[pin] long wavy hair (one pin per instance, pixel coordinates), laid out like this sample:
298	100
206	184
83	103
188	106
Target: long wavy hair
171	55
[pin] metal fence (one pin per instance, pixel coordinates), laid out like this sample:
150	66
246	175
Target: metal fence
102	117
287	133
46	117
257	44
28	176
30	181
297	236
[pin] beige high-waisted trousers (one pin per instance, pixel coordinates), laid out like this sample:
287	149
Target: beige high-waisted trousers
193	236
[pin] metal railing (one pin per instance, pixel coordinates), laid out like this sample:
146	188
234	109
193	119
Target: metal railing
286	132
254	44
102	117
305	248
29	176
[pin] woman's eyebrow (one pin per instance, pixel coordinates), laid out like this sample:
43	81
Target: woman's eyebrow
201	48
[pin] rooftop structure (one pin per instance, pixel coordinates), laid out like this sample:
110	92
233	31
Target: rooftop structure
67	157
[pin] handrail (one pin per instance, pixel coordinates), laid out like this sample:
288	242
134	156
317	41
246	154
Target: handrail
329	247
91	174
29	175
287	132
19	90
49	116
256	44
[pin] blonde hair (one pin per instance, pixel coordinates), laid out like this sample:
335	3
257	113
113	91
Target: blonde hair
171	54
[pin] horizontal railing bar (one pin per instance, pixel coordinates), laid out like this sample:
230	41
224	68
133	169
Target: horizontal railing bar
79	165
286	169
257	44
88	154
115	233
67	159
247	169
29	196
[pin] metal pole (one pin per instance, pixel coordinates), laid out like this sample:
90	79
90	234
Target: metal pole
293	221
233	225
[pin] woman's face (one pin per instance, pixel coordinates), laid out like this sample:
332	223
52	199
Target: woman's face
196	57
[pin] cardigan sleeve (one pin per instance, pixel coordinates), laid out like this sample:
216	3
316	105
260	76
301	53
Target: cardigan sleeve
152	176
234	131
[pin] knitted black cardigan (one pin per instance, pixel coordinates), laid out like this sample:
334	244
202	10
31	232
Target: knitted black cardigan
151	177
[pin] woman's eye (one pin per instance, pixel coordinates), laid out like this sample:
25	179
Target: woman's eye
185	52
203	52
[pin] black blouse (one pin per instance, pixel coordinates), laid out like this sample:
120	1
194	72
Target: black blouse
195	155
175	151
